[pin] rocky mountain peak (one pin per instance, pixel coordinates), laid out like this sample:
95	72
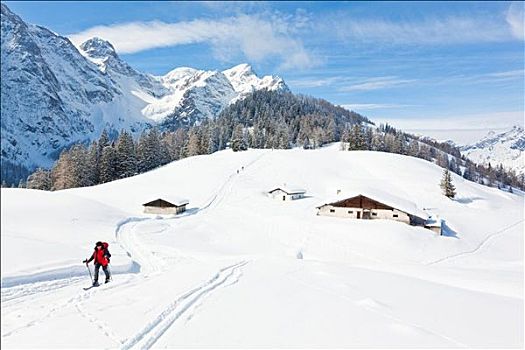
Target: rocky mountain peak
98	48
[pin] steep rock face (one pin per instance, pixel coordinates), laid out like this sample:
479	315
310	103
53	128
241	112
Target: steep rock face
195	95
51	95
507	148
54	94
244	81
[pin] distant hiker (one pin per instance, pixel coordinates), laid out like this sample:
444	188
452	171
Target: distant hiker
101	256
242	168
237	171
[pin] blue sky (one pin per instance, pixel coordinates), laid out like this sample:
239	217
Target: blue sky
420	65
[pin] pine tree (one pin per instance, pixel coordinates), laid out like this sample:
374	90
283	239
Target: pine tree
413	148
126	162
398	146
238	141
344	139
442	160
213	139
94	162
357	139
103	141
446	184
40	180
148	151
377	142
108	164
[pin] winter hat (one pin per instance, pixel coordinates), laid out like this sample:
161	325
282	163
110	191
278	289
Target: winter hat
99	244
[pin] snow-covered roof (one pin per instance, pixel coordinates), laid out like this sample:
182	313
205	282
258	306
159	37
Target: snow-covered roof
171	199
433	222
389	199
288	189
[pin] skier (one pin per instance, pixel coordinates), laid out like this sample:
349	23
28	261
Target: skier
101	256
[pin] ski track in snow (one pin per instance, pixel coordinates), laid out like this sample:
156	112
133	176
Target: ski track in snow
478	247
227	186
152	332
56	307
11	296
101	325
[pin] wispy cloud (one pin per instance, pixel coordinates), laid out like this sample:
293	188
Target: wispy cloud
254	37
372	106
376	83
313	82
435	30
519	73
515	18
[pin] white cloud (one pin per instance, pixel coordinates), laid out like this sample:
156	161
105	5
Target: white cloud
252	36
312	82
376	83
372	106
446	30
515	19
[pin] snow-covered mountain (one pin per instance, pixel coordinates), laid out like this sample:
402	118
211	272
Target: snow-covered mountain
507	148
54	94
242	270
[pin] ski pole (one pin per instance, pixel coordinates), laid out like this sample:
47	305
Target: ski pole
90	276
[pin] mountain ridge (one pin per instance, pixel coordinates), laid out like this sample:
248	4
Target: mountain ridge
55	94
506	148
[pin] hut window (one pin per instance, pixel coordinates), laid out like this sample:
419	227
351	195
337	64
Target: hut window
350	212
374	214
395	215
332	210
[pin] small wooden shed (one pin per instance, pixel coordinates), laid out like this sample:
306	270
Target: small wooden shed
285	193
166	205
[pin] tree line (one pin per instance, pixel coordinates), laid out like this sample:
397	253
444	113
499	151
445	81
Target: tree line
264	119
386	138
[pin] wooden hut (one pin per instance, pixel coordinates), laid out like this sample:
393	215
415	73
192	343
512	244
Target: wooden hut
286	193
165	205
376	206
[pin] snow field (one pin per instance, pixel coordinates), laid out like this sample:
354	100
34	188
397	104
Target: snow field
227	274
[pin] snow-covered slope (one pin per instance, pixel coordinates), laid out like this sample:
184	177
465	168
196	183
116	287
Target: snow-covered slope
507	148
54	94
240	269
195	95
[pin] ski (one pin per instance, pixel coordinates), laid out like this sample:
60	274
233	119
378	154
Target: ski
98	285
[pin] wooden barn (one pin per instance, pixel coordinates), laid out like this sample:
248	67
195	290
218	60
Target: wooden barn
166	205
366	207
284	193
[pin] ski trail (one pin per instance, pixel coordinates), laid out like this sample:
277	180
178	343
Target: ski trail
227	186
152	332
478	247
129	242
10	296
56	307
102	326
